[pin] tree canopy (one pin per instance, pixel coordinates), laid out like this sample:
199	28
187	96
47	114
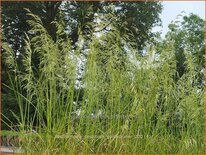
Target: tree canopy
136	18
188	36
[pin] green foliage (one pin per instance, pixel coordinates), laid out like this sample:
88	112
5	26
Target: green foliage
134	18
9	105
82	20
138	18
130	103
188	36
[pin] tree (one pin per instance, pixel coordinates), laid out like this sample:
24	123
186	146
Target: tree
134	18
188	37
14	19
138	19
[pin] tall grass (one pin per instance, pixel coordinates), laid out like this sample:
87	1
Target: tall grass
127	103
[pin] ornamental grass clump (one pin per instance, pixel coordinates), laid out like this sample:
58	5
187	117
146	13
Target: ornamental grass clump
124	102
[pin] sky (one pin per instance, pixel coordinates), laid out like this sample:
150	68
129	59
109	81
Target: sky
172	8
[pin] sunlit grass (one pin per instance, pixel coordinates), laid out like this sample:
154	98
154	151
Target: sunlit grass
121	106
